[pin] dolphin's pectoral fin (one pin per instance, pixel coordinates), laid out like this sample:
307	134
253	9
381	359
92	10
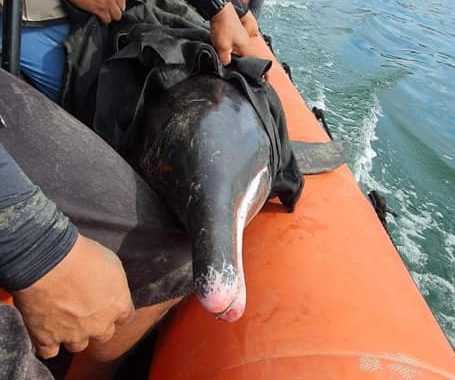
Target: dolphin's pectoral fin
314	158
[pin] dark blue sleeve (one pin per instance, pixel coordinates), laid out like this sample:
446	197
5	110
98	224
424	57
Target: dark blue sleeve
34	235
201	5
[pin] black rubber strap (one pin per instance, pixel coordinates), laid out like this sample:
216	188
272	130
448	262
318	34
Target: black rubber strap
208	8
12	17
240	7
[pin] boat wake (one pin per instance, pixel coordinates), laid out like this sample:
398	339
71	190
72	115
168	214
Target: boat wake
321	99
432	285
363	164
286	4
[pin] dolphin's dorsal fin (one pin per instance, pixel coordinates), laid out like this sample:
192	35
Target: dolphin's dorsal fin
314	158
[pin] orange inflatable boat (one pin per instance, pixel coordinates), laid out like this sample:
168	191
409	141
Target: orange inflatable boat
328	296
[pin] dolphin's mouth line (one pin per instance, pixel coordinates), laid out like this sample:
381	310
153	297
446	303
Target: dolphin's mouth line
221	313
243	217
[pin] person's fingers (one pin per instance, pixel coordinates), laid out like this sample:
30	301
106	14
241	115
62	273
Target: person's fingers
76	346
105	17
125	316
115	12
106	336
121	4
47	351
225	56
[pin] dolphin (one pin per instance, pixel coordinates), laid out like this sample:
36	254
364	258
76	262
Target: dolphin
203	149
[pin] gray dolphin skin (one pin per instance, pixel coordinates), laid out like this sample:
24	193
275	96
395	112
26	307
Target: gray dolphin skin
205	152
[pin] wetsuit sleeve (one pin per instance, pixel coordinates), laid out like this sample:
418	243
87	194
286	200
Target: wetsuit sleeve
201	6
240	7
34	235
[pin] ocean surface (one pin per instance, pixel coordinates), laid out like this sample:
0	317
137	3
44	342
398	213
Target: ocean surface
384	72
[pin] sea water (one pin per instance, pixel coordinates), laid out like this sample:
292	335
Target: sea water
384	72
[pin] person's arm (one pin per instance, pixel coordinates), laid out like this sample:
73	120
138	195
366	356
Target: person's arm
229	36
229	33
34	235
68	288
208	8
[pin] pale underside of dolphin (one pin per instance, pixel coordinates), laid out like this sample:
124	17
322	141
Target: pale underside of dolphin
204	150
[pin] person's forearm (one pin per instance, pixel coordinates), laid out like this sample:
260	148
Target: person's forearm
34	235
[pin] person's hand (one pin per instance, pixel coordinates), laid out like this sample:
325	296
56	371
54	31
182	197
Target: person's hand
250	24
106	10
82	298
229	36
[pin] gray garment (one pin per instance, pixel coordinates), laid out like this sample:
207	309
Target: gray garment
17	360
37	11
100	193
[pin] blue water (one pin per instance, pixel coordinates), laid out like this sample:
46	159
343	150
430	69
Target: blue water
384	71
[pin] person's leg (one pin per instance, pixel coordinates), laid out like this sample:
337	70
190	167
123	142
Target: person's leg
17	360
101	361
43	57
104	197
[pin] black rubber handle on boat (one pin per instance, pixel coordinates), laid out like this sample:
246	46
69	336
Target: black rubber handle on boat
319	114
12	23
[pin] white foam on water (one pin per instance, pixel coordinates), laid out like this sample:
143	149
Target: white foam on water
363	165
286	4
411	225
428	282
321	99
449	243
448	321
432	283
